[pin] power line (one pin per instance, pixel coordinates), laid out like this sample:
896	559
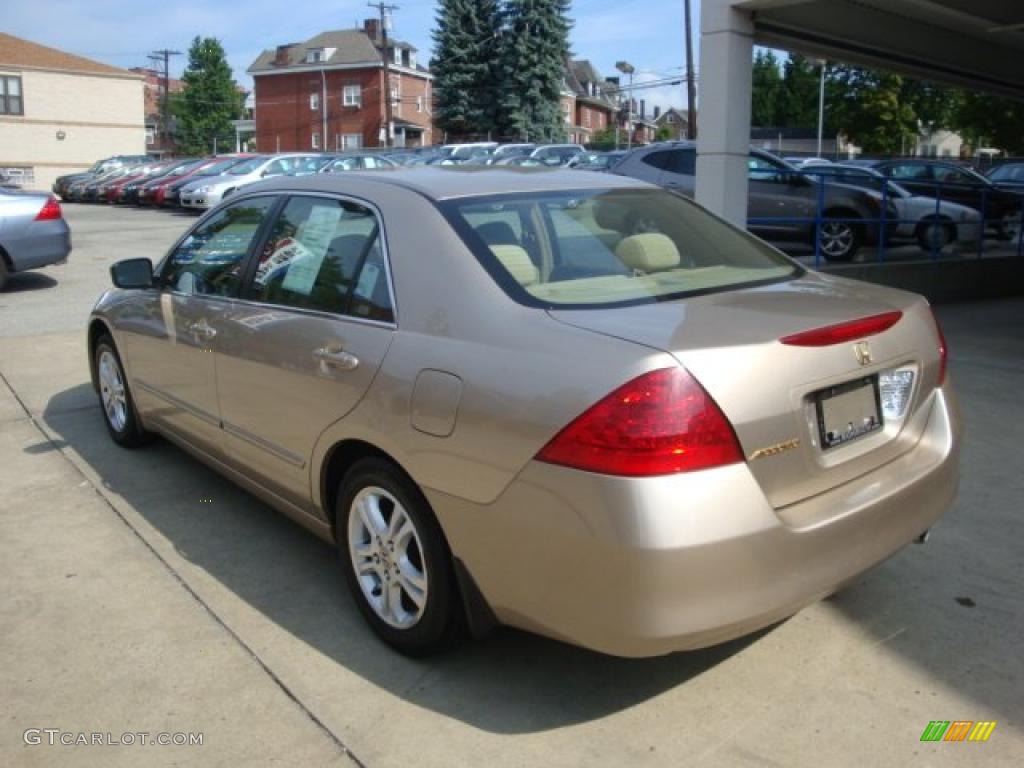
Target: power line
164	54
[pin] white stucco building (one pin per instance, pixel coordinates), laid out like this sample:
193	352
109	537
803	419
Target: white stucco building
59	113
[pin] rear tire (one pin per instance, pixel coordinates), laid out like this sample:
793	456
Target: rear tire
3	272
396	560
840	240
116	402
935	234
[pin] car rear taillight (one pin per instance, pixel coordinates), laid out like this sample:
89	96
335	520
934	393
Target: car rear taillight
660	423
836	334
50	211
943	350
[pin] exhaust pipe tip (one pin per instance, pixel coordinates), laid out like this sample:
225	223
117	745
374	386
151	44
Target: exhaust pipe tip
923	538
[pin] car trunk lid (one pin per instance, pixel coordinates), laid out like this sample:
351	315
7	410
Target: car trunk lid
769	390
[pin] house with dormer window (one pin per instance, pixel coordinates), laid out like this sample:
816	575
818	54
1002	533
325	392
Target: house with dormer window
330	93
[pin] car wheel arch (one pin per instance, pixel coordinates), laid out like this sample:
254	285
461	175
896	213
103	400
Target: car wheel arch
97	328
338	459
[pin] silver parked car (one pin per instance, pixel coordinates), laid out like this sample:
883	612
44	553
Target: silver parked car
572	403
33	232
205	193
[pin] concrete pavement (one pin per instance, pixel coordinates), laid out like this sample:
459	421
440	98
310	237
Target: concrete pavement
223	617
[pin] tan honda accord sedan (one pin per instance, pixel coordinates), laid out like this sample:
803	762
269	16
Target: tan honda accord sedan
572	403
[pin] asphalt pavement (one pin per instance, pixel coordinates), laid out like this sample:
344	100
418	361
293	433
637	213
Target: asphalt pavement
144	593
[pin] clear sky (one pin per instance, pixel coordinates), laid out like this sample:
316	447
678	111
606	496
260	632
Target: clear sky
123	32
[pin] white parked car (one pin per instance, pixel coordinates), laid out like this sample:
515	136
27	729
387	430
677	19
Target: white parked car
207	192
556	154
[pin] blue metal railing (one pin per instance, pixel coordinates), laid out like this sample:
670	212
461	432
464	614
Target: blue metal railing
887	231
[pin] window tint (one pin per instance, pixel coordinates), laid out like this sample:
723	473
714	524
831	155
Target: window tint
948	175
760	169
210	260
911	172
684	161
325	255
659	160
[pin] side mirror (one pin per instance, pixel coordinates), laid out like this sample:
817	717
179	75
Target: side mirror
132	273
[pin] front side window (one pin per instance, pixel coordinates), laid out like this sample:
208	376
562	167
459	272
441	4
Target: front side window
10	96
351	96
612	247
210	260
760	169
911	172
325	254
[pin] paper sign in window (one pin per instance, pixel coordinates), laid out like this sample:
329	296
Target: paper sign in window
367	281
313	239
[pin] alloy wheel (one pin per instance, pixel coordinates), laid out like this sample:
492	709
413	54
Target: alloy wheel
112	391
387	556
837	239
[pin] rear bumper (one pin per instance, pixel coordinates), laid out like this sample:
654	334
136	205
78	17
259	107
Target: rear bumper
647	567
42	244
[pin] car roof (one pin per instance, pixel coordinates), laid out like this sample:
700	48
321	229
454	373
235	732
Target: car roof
454	181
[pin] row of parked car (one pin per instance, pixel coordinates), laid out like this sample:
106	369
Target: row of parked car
849	205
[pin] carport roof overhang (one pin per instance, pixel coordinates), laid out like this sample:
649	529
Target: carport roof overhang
974	43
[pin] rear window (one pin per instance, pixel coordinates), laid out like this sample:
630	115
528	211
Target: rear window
610	247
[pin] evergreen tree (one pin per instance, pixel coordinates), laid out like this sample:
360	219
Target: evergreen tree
465	69
534	52
209	101
767	85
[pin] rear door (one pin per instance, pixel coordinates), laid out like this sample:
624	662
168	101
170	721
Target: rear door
299	350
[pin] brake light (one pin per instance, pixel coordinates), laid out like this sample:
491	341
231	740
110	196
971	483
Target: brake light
50	211
836	334
943	350
660	423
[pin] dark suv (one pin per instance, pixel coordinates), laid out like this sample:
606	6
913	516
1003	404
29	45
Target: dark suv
782	201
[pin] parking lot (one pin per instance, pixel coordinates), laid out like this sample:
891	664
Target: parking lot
146	593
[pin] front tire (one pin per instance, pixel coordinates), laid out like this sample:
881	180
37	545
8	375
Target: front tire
116	400
3	272
396	559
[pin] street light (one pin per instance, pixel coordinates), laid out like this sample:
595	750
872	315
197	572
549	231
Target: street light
628	69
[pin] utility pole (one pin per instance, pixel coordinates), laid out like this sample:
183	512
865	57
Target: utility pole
385	21
165	56
691	90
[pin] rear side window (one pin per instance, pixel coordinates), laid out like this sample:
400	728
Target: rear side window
325	254
659	160
210	260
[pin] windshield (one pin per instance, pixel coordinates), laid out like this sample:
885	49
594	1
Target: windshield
591	248
1014	172
220	167
247	166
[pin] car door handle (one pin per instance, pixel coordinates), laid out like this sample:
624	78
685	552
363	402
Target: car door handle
337	358
202	328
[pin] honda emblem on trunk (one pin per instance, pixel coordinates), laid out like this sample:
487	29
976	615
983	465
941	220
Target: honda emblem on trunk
862	350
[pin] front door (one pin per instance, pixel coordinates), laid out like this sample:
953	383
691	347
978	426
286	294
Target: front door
171	346
299	350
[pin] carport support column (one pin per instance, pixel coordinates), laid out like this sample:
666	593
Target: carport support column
723	117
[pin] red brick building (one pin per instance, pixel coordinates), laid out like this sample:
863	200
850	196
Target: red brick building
156	142
588	99
326	93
